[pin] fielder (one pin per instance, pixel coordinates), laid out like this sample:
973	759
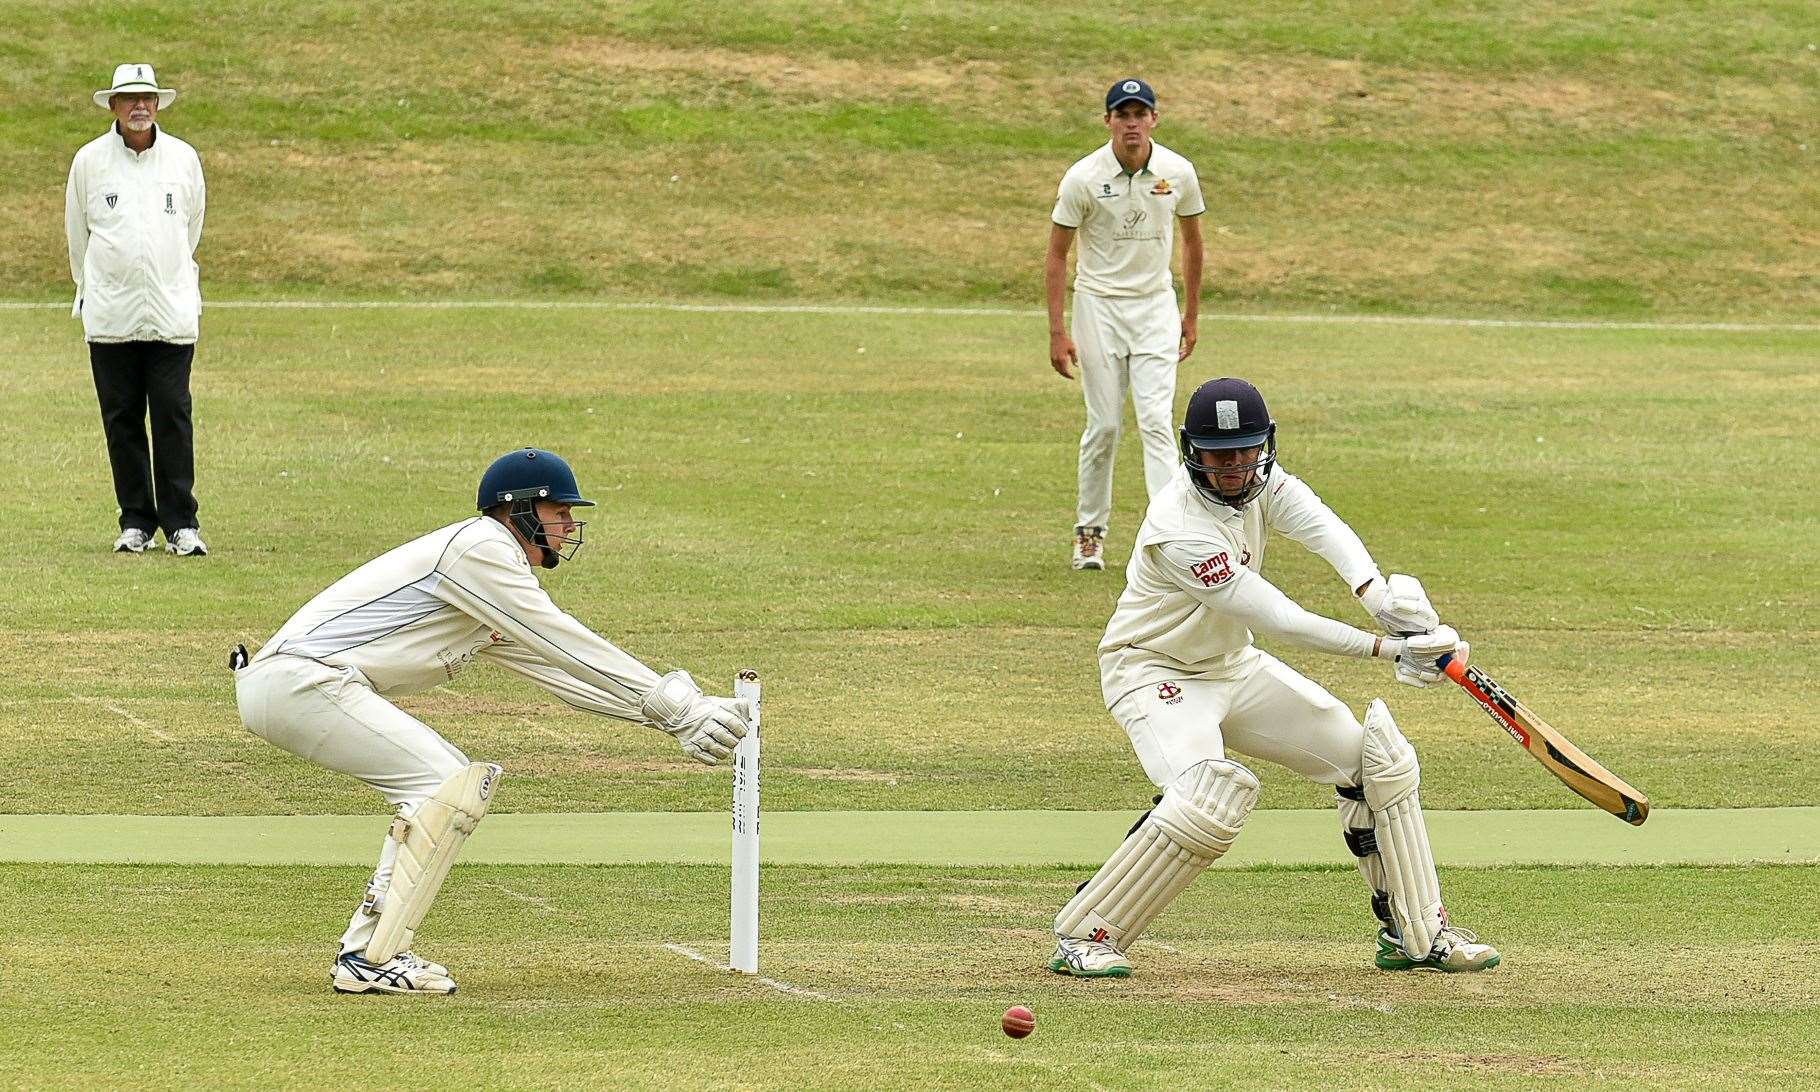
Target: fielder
411	620
1124	199
1180	674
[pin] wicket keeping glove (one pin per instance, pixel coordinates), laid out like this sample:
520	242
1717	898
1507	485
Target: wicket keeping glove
707	728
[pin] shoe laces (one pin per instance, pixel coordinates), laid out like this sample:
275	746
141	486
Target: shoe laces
1088	544
1459	935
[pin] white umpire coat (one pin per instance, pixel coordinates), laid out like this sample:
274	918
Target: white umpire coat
134	220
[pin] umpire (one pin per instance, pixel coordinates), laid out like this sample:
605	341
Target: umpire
133	212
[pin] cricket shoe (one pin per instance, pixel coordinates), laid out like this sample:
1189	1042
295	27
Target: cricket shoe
1088	959
429	965
186	543
1454	950
132	541
403	973
1089	549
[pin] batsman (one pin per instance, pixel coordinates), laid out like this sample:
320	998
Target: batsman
1180	674
412	619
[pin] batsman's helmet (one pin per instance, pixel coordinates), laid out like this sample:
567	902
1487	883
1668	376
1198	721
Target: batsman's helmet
522	478
1223	415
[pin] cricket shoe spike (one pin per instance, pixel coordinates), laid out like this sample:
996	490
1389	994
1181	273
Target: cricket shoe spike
1088	959
1454	949
403	973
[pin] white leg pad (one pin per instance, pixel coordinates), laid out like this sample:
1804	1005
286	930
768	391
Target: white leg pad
1355	820
428	840
1391	777
1193	825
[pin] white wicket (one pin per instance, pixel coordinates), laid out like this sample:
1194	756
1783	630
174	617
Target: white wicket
742	952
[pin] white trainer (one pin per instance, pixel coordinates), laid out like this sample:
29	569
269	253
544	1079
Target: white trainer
186	543
132	541
429	965
1088	959
1089	549
1454	950
403	973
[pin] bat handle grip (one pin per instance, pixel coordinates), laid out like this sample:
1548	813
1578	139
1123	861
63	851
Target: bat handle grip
1454	669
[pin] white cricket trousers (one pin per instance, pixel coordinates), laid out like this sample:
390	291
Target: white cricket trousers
330	716
1271	712
1125	344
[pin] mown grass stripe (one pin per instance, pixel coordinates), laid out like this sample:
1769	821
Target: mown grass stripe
959	839
987	312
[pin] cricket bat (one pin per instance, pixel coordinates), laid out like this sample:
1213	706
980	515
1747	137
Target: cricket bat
1573	766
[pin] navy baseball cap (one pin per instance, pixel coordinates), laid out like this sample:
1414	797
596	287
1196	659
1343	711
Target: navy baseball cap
1133	90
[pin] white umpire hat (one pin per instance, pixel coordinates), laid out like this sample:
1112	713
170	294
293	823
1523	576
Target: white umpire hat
134	79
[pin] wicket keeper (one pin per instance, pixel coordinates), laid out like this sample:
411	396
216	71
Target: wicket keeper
412	619
1180	674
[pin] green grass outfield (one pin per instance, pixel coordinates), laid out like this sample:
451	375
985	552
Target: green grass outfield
1506	157
1618	519
586	977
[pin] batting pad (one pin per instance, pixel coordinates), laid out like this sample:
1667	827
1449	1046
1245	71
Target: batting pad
1190	828
428	840
1391	778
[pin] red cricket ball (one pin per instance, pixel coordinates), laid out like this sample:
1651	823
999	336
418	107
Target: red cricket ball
1018	1021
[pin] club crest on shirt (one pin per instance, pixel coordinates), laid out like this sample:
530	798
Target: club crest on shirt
1170	693
1214	571
1161	189
112	199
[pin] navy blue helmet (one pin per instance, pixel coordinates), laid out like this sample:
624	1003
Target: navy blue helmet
522	478
1227	415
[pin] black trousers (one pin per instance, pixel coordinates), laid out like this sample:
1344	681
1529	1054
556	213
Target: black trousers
155	488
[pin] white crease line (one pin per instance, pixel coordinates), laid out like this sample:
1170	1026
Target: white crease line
986	312
1003	1054
781	987
543	904
156	733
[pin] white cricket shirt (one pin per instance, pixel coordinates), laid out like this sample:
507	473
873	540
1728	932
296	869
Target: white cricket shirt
1126	220
1194	594
133	221
414	617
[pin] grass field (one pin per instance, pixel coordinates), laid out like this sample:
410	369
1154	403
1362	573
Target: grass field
895	977
873	509
885	535
883	532
1505	156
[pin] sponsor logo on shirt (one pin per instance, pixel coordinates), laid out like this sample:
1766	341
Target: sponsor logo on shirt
1214	571
169	206
1161	189
111	199
1170	693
